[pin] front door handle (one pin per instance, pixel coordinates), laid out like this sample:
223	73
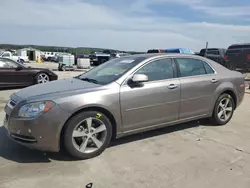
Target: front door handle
172	86
214	80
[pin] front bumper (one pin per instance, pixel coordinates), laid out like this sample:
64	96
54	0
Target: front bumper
53	77
41	133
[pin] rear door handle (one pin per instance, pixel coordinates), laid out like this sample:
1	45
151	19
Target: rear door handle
172	86
214	80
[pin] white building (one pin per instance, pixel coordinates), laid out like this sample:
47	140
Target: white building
32	53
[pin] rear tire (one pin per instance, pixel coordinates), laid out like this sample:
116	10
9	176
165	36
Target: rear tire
223	110
42	78
84	141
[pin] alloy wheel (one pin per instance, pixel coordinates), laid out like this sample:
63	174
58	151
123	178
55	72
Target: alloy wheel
42	78
89	135
225	109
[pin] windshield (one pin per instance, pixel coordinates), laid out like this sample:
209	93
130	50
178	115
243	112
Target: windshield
110	70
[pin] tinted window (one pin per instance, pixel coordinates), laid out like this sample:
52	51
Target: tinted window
213	52
153	51
208	69
158	70
239	46
233	51
190	67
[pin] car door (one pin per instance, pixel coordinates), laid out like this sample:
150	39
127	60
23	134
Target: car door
198	83
13	74
154	102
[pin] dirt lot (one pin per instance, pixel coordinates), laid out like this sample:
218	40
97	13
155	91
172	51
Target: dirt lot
188	155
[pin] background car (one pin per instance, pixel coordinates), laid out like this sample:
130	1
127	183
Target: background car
179	50
237	57
155	51
123	96
215	54
13	74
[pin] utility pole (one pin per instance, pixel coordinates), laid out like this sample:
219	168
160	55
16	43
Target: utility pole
206	49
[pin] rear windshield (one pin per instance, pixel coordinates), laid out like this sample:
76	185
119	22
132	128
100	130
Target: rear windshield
239	46
237	49
213	51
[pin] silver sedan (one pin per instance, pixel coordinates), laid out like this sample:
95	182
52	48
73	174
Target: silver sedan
123	96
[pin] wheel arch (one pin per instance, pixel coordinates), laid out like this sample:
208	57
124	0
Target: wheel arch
93	108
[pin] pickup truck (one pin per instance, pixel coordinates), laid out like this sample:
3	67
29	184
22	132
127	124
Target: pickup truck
9	55
98	58
215	54
238	57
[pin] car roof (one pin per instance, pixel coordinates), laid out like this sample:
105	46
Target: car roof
157	55
151	55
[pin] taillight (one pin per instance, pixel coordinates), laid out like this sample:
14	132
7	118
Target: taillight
248	56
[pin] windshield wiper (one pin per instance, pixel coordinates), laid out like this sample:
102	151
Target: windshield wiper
89	80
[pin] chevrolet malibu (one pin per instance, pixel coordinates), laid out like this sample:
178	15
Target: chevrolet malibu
120	97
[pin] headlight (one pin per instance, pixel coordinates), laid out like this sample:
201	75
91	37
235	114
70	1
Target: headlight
36	108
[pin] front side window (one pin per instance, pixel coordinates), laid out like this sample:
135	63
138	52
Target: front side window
158	70
190	67
5	63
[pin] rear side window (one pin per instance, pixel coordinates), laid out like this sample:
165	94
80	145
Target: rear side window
190	67
208	69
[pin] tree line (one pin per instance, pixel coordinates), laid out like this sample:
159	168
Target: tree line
77	50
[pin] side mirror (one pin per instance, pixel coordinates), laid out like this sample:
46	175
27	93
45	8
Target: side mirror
139	78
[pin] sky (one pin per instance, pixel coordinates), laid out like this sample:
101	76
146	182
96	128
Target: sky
125	24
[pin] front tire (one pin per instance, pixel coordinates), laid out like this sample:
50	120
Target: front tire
223	110
87	134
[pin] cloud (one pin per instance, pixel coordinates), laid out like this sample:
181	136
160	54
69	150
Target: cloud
212	7
125	26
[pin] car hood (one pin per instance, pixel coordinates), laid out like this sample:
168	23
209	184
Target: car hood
56	88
